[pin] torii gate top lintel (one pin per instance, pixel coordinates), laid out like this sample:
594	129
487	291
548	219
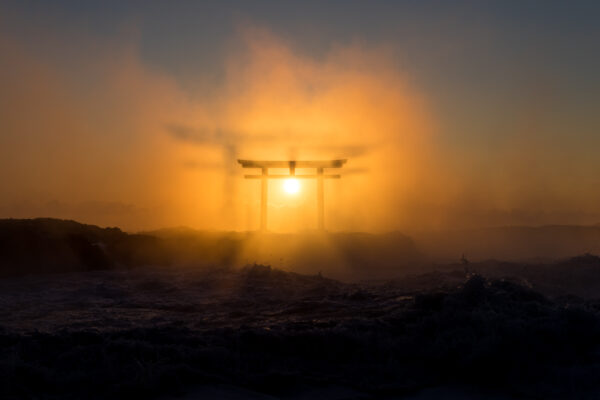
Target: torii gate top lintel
298	164
292	165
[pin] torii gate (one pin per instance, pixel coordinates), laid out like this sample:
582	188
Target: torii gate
292	165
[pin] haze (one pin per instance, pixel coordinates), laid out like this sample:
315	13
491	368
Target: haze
134	115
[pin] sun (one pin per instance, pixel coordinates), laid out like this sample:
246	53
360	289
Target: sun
291	186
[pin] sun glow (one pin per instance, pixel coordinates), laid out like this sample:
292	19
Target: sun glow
291	186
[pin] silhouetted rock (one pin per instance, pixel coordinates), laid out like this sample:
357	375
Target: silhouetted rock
175	333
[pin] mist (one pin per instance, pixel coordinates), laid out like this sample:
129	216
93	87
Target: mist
91	131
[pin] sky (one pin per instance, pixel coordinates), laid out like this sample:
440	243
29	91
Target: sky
451	114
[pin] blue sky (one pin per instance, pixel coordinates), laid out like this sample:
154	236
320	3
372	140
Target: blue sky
480	54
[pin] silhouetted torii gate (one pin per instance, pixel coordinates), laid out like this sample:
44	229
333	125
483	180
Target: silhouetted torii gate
320	176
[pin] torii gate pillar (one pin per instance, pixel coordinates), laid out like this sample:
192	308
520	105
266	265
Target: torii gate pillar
320	200
264	192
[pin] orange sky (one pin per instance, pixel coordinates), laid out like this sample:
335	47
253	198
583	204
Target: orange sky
91	131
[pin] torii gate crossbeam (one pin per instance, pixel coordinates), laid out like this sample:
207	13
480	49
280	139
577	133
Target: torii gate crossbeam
320	176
